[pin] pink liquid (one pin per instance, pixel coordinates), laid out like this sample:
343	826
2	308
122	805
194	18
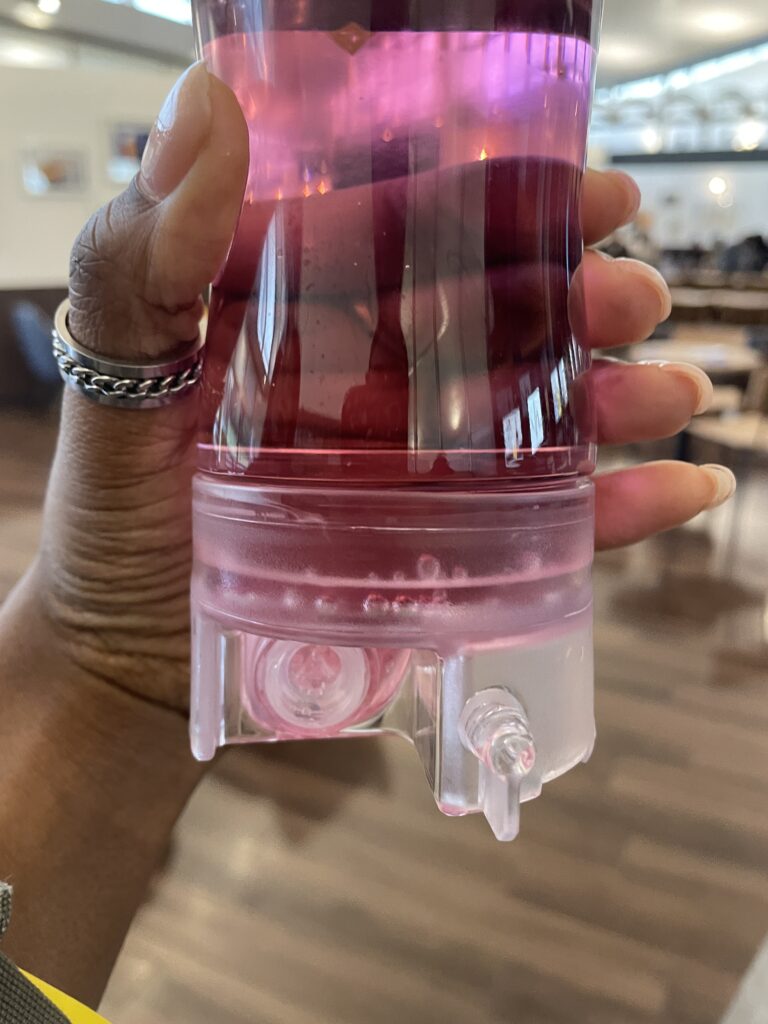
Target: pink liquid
398	306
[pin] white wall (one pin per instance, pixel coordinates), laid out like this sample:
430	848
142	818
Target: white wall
684	212
71	109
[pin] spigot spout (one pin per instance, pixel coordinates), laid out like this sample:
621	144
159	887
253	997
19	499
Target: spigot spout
494	727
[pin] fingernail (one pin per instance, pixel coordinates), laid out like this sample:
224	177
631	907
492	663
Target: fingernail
634	198
657	282
704	390
723	482
177	135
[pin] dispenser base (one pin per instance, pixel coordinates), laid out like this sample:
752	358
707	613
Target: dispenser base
332	614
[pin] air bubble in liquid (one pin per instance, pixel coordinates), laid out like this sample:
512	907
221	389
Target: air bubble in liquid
375	604
428	567
404	605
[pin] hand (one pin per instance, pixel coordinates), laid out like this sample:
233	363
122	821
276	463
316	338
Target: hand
115	563
625	300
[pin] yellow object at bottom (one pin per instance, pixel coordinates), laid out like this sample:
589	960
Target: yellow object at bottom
75	1012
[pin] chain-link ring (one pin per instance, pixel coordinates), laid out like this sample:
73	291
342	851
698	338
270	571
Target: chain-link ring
123	384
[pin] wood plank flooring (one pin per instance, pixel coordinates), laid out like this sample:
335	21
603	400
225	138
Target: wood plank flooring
317	884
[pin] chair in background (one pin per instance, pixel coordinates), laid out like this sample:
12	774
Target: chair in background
33	337
28	372
739	440
31	327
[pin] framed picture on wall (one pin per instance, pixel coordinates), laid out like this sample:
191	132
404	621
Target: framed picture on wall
126	148
54	172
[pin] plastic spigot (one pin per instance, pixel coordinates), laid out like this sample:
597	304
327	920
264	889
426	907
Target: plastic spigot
494	727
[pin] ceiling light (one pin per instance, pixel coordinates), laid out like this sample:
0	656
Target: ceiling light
679	79
172	10
748	136
622	53
31	15
27	55
647	89
49	6
652	140
718	186
720	22
179	11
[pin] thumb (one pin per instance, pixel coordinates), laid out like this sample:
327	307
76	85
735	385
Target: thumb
137	271
115	554
139	265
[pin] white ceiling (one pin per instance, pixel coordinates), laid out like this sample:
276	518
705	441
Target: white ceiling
640	37
113	25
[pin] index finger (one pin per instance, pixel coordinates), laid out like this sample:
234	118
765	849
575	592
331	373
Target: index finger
609	200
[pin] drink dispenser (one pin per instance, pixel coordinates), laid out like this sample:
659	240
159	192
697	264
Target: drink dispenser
393	515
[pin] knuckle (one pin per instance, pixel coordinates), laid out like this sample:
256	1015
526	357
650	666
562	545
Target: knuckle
113	242
108	267
125	291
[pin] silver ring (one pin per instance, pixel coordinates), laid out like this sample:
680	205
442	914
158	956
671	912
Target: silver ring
126	385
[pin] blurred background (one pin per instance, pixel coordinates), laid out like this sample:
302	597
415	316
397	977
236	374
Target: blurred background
314	884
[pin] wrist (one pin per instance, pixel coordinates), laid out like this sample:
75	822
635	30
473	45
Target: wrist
86	715
92	780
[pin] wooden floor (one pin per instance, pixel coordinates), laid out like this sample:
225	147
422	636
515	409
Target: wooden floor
317	884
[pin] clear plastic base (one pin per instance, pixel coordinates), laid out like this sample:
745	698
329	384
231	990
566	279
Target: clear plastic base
459	621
